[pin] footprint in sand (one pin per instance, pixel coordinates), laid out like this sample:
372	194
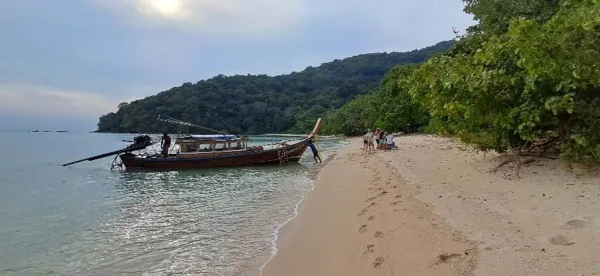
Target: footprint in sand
378	262
370	199
398	196
362	228
370	248
561	240
364	210
394	203
446	257
382	194
371	217
378	234
576	224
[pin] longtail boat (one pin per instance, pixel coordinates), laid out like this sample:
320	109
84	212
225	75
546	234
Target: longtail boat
207	151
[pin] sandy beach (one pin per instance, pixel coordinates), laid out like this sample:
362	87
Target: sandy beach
435	207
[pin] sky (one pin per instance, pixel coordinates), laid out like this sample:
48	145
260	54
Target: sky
63	63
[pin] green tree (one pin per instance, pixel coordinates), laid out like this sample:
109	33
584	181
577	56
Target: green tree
525	78
533	83
253	104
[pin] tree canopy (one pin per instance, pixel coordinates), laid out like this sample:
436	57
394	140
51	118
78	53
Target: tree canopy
525	77
260	104
389	107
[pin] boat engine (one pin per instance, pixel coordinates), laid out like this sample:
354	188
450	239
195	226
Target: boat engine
141	140
139	143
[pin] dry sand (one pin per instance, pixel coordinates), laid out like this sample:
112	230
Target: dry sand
434	208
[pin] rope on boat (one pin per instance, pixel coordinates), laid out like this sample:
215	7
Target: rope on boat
172	120
283	156
117	163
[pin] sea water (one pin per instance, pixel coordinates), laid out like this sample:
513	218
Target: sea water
89	220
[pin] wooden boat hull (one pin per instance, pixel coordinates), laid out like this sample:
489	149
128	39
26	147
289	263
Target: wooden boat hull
251	158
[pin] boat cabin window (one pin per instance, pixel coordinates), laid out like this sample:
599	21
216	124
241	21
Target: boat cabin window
205	147
209	146
220	146
192	148
196	148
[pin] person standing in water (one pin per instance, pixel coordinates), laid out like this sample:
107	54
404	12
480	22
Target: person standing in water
165	144
314	150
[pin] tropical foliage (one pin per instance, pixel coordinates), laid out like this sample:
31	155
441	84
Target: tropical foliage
389	107
525	77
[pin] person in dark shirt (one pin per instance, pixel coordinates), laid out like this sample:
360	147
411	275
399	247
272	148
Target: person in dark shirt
314	150
165	144
381	139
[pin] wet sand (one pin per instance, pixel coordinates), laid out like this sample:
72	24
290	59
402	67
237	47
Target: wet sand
434	207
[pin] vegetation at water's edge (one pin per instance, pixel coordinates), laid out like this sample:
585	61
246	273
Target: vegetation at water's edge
525	78
262	104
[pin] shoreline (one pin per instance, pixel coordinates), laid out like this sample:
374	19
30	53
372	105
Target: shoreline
337	232
255	265
313	176
434	208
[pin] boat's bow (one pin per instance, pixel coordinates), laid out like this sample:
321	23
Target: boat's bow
316	129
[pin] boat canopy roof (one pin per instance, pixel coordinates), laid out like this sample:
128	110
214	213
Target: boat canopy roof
215	136
210	139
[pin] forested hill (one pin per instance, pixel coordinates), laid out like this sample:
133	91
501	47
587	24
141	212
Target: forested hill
261	104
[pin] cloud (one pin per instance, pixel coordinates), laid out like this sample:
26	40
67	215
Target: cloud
17	100
83	57
213	16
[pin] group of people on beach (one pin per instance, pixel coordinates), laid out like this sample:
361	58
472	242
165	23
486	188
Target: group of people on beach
383	140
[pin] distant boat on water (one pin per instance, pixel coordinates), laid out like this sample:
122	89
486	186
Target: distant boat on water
59	131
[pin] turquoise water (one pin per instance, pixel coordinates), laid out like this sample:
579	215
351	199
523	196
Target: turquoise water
89	220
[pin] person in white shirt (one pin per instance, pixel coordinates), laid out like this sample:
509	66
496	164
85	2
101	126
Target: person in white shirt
389	141
367	141
372	142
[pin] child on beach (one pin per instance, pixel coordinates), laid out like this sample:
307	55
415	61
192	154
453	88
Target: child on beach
376	138
381	140
372	142
368	141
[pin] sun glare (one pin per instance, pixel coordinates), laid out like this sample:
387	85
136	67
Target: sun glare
169	8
